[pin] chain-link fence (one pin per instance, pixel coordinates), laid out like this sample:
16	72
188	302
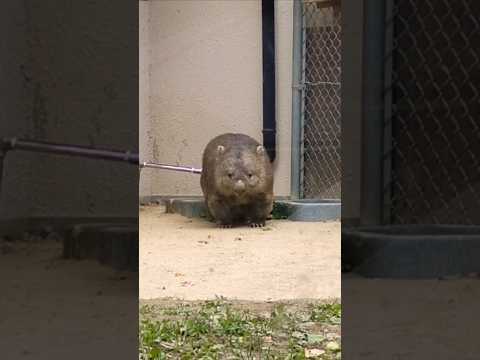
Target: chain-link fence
435	98
320	168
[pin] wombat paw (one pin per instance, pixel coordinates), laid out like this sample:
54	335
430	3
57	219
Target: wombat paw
257	225
225	226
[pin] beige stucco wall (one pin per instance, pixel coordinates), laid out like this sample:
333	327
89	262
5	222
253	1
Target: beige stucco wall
200	76
145	137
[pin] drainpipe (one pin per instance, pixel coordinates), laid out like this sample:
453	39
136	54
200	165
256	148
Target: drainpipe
268	59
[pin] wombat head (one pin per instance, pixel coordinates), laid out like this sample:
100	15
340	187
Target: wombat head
241	172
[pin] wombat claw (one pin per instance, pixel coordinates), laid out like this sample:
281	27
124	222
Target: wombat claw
257	225
225	226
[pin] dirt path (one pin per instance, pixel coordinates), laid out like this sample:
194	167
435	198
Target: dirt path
191	259
411	319
54	308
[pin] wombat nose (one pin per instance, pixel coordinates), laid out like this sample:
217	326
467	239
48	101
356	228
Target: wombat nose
239	185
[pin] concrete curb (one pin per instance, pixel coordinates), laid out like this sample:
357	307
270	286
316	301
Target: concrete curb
295	210
313	210
412	252
114	245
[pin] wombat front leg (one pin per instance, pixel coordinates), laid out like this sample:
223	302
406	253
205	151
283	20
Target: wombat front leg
221	212
259	213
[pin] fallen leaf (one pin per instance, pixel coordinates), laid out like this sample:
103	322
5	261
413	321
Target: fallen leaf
310	353
332	346
331	336
267	339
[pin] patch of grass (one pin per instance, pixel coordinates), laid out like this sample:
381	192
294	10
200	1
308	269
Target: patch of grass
222	330
280	211
145	310
330	313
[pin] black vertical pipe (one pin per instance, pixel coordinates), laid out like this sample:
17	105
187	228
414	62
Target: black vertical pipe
268	58
373	112
2	158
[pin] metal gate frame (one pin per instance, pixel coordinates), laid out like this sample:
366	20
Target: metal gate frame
299	83
366	111
298	95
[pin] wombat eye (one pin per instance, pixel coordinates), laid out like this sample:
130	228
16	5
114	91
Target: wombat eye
250	176
230	175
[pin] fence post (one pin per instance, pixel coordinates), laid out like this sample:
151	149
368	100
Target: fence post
297	100
351	110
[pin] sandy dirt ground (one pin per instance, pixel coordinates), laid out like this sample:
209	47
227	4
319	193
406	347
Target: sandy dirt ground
192	259
53	308
410	319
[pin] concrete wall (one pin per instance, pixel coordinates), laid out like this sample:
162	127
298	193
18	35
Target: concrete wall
145	132
68	70
200	76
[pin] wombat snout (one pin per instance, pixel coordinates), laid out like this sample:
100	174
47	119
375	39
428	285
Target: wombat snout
239	186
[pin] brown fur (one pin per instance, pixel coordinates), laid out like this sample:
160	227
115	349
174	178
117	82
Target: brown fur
231	162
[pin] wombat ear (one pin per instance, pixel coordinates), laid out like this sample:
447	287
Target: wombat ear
260	150
220	149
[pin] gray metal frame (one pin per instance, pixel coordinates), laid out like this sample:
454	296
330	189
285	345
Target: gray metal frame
297	101
366	111
304	141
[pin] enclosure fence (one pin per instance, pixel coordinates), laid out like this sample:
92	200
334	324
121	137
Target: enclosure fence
433	87
320	167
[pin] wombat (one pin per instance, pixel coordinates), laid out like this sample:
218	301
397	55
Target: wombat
237	180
